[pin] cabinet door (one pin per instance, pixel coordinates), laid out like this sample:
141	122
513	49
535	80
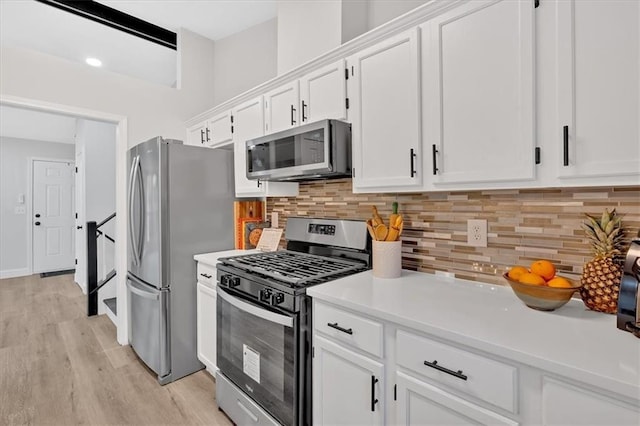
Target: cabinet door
347	387
565	404
221	127
479	92
206	324
384	94
598	88
197	135
248	124
420	403
281	107
323	94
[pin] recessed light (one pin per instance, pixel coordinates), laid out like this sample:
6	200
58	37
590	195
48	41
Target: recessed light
94	62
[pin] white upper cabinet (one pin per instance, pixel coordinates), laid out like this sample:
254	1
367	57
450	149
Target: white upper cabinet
598	130
221	130
281	108
323	94
384	94
248	124
197	135
478	93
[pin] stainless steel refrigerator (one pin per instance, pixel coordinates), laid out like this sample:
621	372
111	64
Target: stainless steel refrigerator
180	203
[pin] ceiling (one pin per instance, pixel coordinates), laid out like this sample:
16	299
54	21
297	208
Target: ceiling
33	25
21	123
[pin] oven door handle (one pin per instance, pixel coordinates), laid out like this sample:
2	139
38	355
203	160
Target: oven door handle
256	310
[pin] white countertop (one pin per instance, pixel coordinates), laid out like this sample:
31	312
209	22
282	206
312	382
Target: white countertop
571	341
212	258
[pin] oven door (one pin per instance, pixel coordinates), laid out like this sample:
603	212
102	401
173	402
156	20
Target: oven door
257	351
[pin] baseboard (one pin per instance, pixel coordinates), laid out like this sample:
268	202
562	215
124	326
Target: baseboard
13	273
83	288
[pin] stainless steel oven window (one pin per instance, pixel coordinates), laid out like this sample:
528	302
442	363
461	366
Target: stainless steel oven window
258	351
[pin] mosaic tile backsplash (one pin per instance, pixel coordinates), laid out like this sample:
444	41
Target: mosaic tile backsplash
523	225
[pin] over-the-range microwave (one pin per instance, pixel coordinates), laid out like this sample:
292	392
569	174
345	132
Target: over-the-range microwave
320	150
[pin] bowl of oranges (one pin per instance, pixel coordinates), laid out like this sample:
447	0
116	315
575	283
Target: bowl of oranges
539	287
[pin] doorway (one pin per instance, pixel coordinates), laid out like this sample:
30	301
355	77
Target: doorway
53	215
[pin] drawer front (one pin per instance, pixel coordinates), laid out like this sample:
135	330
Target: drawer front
480	377
359	332
206	274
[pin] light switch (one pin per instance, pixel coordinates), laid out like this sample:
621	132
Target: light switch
20	198
274	219
20	210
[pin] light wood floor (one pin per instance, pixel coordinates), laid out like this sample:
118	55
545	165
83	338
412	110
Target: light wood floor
59	367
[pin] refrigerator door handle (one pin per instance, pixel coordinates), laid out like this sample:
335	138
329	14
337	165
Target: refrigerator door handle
132	182
138	290
143	212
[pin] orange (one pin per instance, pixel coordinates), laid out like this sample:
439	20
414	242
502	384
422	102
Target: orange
516	272
559	282
544	268
531	278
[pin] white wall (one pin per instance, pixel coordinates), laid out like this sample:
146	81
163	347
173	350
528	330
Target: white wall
99	141
151	109
307	29
244	60
15	155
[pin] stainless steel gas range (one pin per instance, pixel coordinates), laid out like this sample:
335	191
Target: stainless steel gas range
264	319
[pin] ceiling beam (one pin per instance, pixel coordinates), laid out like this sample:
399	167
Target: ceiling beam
115	19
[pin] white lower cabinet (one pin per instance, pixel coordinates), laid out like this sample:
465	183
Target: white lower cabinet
347	387
431	381
206	316
420	403
566	404
206	298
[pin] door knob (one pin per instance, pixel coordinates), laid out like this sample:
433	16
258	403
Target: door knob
79	227
37	214
37	223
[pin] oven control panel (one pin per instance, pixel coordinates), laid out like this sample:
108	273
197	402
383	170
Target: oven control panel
321	229
264	295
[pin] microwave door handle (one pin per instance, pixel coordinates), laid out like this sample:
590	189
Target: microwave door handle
132	182
143	213
256	310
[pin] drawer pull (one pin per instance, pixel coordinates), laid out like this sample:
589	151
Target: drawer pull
337	327
435	365
207	276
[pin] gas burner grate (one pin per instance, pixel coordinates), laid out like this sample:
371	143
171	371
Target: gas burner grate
293	267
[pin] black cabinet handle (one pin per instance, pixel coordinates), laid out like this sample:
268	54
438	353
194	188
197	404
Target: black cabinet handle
435	365
37	224
434	154
337	327
208	135
304	107
259	183
207	276
37	214
292	111
374	401
565	131
202	136
412	156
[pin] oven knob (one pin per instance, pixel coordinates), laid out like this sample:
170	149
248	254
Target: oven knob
265	295
234	282
277	298
224	280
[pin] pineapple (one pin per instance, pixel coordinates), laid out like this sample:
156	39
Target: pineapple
601	276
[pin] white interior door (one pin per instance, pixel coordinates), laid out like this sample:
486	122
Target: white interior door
53	216
80	220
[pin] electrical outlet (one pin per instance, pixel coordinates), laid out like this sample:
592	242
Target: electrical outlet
20	210
477	232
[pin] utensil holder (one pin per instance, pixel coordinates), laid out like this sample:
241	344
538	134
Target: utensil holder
387	259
